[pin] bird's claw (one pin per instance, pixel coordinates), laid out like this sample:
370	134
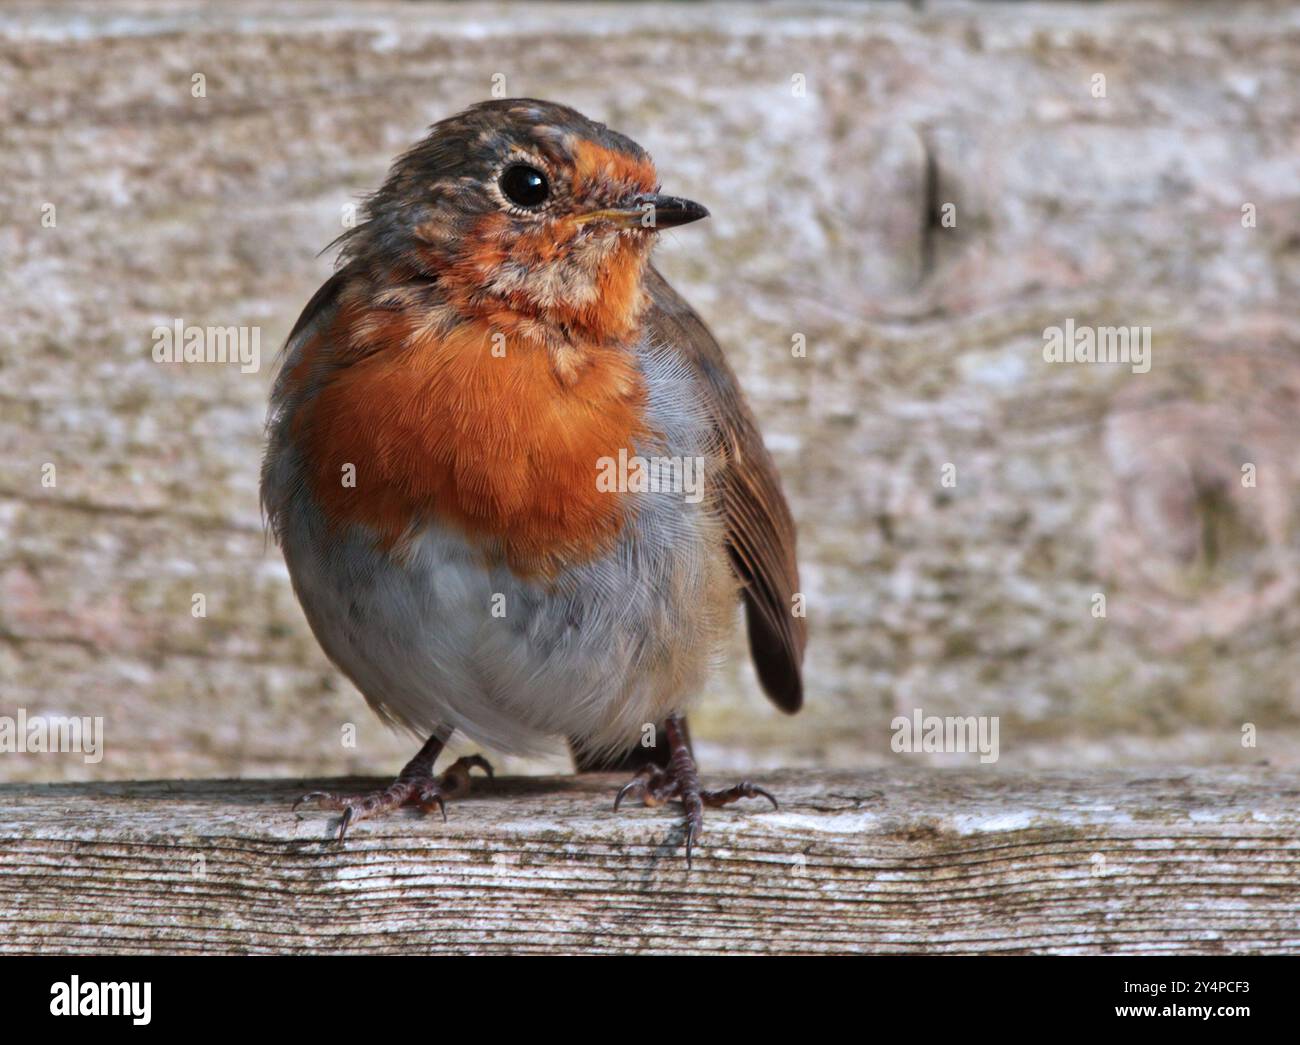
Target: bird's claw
655	785
421	789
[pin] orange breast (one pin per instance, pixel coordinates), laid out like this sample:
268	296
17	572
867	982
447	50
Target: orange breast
499	446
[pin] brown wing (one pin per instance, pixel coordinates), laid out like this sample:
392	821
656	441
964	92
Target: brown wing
760	531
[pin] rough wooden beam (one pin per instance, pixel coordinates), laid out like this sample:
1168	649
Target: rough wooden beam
924	348
1170	861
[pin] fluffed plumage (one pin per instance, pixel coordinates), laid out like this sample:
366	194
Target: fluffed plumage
445	405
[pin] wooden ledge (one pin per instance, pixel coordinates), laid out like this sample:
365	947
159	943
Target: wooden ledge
916	861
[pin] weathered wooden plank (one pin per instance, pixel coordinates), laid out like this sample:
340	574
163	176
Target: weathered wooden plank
924	348
1169	861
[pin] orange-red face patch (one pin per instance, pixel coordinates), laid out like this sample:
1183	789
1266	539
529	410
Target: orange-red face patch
610	315
595	165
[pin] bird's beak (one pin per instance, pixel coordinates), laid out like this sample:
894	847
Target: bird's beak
649	210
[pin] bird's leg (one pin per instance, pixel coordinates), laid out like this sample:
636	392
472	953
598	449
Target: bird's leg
680	779
415	785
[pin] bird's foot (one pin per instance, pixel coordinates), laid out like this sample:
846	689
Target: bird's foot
680	779
416	785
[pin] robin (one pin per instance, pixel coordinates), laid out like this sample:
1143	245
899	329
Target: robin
516	484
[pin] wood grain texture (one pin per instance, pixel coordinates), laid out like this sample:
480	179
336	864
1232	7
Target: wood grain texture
923	348
1167	861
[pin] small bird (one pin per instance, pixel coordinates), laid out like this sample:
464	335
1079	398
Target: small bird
515	481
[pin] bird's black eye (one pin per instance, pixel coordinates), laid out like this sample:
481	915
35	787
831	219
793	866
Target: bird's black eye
524	186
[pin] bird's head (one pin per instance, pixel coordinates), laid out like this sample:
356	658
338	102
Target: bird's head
526	214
